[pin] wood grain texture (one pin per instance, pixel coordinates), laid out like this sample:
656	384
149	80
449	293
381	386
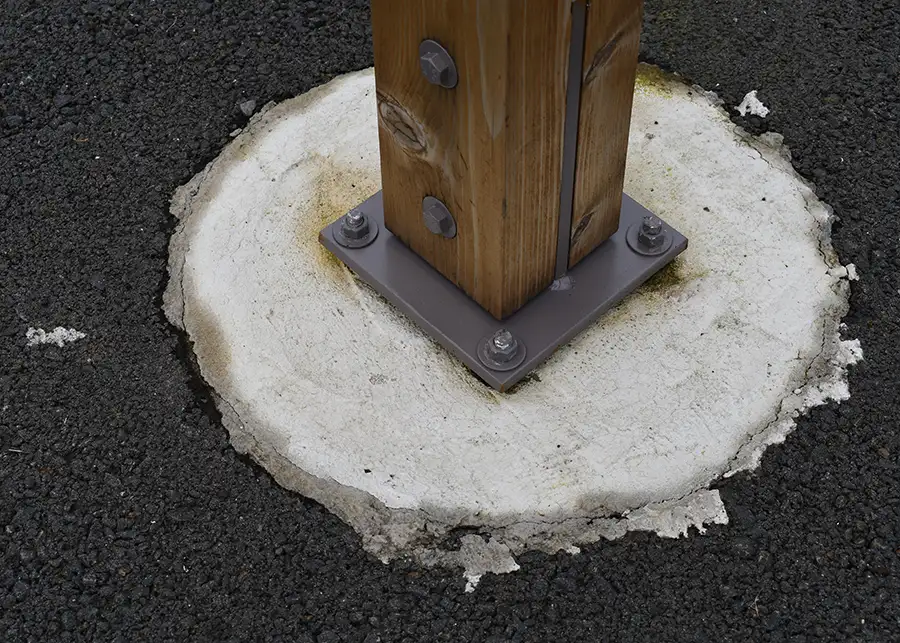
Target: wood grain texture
490	149
612	43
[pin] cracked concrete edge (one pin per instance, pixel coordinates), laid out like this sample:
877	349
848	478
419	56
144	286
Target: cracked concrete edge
430	539
444	537
389	534
825	378
195	190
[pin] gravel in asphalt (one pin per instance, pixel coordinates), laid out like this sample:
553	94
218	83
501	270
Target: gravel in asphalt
126	516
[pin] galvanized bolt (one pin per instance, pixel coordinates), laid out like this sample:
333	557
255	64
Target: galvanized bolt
651	233
437	64
355	230
501	351
437	217
503	340
650	237
436	68
503	346
354	219
355	225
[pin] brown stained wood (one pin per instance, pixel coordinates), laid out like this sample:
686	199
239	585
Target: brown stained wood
612	42
490	149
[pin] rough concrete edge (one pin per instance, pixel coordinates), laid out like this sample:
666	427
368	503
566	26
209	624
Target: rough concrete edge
409	532
397	533
825	378
181	205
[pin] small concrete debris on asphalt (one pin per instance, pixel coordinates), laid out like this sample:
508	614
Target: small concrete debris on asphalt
59	336
752	105
247	108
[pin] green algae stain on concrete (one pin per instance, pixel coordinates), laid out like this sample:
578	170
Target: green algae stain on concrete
667	279
654	80
672	279
213	350
338	189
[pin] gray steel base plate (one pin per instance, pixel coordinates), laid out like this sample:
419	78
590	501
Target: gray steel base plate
460	325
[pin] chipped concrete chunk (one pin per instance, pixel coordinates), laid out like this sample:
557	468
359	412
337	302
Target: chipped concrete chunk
752	105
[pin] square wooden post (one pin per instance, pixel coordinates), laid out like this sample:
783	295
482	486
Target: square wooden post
503	127
612	44
492	148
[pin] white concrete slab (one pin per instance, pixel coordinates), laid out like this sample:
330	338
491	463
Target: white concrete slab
344	400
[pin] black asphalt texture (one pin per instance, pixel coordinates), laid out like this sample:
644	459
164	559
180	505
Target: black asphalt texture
126	516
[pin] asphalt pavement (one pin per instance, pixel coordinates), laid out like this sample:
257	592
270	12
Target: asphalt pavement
126	516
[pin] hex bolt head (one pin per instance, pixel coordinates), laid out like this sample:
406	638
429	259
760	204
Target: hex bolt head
651	233
437	218
437	64
436	68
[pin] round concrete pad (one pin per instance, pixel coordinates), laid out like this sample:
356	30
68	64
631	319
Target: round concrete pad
346	401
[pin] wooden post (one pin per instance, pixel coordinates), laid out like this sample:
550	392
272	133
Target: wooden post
492	148
612	44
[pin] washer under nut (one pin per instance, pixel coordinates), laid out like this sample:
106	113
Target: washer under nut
502	351
649	237
356	230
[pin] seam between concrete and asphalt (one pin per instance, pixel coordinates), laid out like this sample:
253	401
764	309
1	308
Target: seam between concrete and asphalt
125	515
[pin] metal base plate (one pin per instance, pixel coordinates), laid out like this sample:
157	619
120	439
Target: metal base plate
446	313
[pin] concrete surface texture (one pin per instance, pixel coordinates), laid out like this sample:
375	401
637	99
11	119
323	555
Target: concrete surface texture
125	514
342	399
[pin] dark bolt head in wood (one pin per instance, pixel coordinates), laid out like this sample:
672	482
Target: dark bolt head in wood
437	65
437	218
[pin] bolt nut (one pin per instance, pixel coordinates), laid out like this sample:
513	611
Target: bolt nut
501	351
437	64
355	230
355	225
651	233
650	237
503	346
437	218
